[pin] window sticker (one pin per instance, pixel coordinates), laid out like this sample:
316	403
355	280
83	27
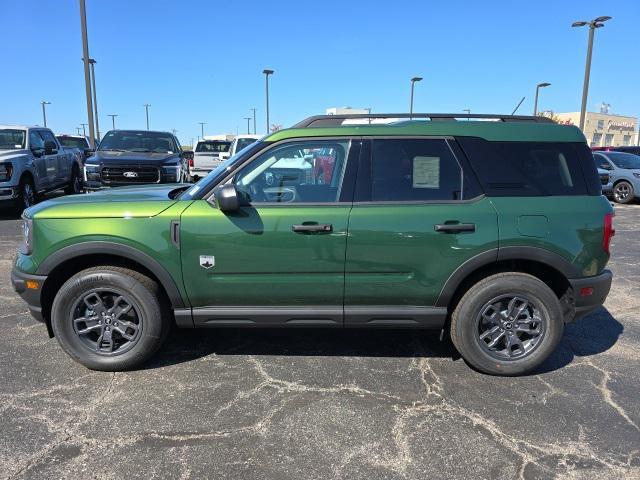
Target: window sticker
426	172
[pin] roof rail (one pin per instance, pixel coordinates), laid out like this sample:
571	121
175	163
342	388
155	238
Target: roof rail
333	120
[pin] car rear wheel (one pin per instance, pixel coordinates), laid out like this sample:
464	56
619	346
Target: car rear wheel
507	324
109	318
623	192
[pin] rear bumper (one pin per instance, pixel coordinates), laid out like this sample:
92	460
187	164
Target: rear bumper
30	295
590	292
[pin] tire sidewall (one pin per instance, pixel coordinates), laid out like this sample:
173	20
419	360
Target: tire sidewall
629	198
471	304
146	303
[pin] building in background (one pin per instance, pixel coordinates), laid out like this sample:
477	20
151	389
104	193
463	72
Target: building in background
604	129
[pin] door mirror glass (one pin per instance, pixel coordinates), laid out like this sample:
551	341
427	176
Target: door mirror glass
50	147
227	198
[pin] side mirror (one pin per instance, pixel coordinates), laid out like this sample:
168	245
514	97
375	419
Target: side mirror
227	198
89	151
50	147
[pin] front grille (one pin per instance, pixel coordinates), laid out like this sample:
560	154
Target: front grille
604	179
127	175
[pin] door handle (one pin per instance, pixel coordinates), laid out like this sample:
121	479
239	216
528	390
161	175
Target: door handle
312	227
455	227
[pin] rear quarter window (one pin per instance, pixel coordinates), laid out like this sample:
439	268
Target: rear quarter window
532	168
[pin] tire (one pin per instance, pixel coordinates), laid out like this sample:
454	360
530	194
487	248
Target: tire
82	330
493	297
623	192
75	183
27	194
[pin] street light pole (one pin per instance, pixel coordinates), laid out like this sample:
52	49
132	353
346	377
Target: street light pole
202	124
78	130
44	112
113	120
535	102
146	108
593	24
413	81
84	131
254	119
87	76
248	119
267	72
92	63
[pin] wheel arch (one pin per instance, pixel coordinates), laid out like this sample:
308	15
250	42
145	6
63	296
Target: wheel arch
68	261
548	266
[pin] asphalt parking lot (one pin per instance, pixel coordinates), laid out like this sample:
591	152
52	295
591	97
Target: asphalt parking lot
309	404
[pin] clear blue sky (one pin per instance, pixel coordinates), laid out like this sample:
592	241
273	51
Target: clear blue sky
199	61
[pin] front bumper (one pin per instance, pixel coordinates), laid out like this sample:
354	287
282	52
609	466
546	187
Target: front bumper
590	292
8	193
31	295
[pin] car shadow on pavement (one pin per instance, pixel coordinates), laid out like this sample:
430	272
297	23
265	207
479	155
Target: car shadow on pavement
590	336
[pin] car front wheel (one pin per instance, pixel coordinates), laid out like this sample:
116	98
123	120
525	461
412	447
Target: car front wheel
623	192
507	324
109	318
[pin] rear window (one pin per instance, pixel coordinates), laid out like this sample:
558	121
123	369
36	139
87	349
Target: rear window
213	146
531	169
73	142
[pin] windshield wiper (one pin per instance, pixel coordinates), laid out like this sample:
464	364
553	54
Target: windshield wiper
110	150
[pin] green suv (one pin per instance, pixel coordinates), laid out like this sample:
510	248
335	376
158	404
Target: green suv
493	230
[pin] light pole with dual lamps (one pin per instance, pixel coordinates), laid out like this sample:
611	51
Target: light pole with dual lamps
593	24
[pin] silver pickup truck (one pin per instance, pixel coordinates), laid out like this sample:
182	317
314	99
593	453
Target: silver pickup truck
33	162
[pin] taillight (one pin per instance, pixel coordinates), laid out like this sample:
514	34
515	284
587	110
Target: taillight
191	162
609	232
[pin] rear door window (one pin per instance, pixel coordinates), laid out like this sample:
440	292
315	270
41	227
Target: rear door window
414	170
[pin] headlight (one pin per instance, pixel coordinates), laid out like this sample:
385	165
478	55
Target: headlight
171	173
637	175
27	236
6	169
91	172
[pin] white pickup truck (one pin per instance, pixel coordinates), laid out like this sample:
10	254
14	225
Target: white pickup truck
33	162
208	154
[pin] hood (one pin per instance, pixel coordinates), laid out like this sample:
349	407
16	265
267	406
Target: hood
7	155
121	202
105	157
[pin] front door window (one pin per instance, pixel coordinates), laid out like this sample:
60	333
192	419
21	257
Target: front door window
300	172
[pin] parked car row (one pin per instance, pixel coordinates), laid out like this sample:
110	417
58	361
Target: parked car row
623	170
34	161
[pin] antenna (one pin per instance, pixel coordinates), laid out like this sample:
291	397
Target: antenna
517	106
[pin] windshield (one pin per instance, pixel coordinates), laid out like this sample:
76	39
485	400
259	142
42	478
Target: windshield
624	160
213	146
73	142
221	170
155	142
11	139
244	142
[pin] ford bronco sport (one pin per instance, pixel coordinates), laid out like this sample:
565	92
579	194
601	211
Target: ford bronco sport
493	230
